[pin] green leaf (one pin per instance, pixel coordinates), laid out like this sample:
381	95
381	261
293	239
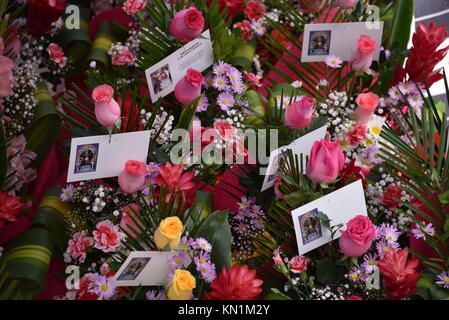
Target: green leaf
444	197
276	295
294	199
216	230
326	271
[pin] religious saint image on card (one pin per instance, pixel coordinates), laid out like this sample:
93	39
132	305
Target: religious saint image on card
278	161
161	79
134	268
86	158
310	225
319	43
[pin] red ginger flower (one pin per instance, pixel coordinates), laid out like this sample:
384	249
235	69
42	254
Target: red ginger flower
173	178
424	55
400	273
239	283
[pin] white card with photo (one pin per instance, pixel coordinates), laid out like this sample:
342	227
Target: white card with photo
96	157
145	268
302	145
340	206
164	75
337	39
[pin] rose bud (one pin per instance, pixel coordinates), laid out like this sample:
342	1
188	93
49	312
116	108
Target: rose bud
187	24
168	233
299	114
326	161
189	87
181	286
357	238
363	57
107	110
367	103
132	178
126	223
346	3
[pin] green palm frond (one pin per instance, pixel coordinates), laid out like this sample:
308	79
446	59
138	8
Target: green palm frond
415	151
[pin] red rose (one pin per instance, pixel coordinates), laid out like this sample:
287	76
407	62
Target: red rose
42	13
9	208
356	135
255	10
389	195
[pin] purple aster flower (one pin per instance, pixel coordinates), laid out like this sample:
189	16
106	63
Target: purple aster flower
67	193
421	232
415	101
201	259
233	74
407	87
237	86
225	100
333	62
220	82
383	246
369	262
208	272
240	215
372	154
187	241
258	223
220	68
155	295
177	260
150	178
203	104
395	94
258	27
443	279
245	203
208	80
203	244
241	228
356	274
391	233
102	286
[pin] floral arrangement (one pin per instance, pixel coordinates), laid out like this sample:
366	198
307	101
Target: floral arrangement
202	205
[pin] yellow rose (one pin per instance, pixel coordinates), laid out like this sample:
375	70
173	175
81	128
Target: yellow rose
168	233
181	286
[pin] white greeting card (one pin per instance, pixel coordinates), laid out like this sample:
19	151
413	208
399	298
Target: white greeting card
96	157
337	39
164	75
340	206
300	146
145	268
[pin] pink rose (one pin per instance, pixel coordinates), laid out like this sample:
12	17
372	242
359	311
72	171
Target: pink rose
133	6
326	161
299	264
107	110
367	103
122	58
107	236
189	87
357	238
6	76
299	114
363	57
187	24
126	223
224	129
346	3
78	245
132	178
57	54
356	135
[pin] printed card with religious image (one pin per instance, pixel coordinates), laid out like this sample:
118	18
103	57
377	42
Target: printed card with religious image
302	145
145	268
96	157
338	39
164	75
340	206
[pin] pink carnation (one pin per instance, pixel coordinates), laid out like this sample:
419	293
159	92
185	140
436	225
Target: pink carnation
6	76
78	245
299	264
107	236
122	58
57	54
133	6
